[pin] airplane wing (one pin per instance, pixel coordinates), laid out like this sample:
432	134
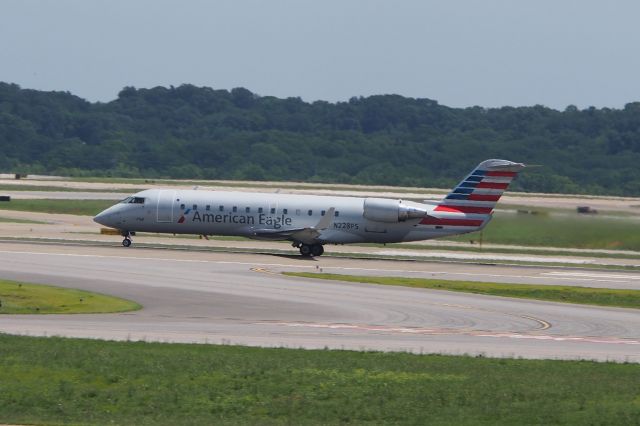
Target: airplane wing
307	235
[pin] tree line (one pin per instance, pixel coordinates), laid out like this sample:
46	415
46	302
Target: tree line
199	132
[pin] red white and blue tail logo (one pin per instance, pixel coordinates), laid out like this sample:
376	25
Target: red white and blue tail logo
471	203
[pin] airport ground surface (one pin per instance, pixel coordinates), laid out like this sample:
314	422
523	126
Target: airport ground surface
240	298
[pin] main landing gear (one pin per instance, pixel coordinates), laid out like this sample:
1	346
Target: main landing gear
308	250
127	239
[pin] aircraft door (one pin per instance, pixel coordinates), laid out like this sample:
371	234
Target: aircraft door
166	202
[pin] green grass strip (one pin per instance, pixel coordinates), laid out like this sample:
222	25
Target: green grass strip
75	381
569	231
77	207
554	293
25	298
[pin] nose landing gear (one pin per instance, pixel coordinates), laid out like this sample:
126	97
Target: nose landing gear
127	239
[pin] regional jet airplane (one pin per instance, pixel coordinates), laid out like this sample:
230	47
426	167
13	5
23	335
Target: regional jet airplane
311	221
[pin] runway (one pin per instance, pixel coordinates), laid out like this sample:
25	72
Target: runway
232	298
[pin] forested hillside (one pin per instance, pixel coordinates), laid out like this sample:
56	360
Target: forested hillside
192	132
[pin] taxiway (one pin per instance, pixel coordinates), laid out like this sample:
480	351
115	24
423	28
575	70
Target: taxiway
235	298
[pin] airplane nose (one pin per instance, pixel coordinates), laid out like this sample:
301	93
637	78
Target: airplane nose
100	218
106	218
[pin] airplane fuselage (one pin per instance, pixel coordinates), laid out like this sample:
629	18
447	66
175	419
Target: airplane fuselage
310	221
256	215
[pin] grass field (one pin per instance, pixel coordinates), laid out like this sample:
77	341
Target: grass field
78	207
571	230
73	381
567	294
25	298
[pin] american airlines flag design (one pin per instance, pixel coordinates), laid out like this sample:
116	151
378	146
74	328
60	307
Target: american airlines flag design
182	218
471	203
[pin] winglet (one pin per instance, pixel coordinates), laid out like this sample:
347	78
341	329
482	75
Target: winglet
325	221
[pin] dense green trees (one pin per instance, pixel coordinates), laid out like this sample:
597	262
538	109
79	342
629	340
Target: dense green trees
192	132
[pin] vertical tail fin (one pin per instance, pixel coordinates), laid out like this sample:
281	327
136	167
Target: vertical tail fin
469	205
482	188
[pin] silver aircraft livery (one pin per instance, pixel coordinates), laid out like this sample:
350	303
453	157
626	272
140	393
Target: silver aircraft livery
311	221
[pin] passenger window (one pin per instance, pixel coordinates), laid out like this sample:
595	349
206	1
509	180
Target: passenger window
310	212
181	206
235	209
337	213
285	211
259	209
208	207
273	210
195	207
298	213
247	209
221	208
322	213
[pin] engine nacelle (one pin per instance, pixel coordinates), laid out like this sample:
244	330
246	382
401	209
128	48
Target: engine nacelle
391	211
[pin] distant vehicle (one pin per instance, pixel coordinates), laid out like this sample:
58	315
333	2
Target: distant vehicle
586	210
311	221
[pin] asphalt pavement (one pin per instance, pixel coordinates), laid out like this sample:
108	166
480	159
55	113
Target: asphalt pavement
235	298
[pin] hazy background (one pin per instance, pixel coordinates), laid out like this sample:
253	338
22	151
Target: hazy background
460	53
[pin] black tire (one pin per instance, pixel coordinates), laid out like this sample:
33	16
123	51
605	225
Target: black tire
305	250
126	242
317	250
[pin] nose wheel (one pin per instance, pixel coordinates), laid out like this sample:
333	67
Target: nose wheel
127	239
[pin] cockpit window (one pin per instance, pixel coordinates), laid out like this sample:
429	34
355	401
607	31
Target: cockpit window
133	200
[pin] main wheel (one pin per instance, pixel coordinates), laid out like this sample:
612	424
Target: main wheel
317	250
305	250
126	242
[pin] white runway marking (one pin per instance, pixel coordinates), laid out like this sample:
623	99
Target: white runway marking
597	275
